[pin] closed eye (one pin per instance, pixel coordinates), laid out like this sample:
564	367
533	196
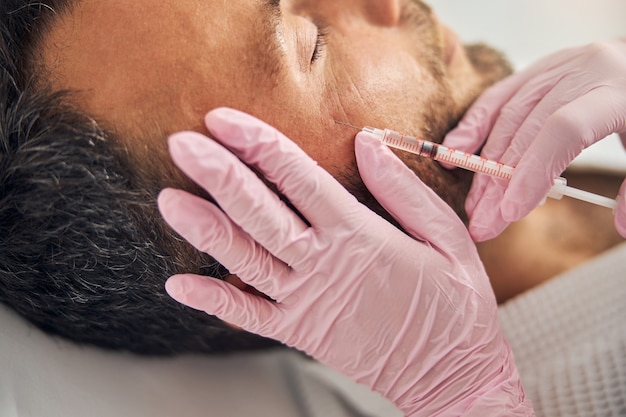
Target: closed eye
320	43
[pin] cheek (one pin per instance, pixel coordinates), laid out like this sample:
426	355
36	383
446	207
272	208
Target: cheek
305	117
329	144
315	131
383	87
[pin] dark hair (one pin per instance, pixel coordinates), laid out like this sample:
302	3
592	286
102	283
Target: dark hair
83	251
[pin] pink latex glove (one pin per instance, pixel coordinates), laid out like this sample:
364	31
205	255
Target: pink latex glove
539	120
413	320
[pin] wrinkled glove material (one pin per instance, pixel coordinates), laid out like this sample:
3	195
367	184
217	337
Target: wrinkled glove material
412	317
538	121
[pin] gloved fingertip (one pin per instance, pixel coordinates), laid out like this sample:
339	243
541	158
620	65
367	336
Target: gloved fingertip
480	233
242	132
166	201
620	221
512	213
184	144
233	127
223	114
476	227
513	210
195	291
456	138
472	200
166	196
367	141
176	288
620	226
182	137
175	141
466	136
480	186
475	202
486	221
372	154
509	210
620	211
471	132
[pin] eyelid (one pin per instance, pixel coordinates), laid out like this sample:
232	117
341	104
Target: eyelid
320	42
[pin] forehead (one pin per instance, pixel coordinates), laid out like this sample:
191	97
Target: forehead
132	59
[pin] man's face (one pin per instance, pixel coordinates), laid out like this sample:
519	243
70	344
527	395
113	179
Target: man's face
149	69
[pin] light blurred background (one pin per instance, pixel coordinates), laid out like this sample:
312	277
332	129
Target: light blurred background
527	30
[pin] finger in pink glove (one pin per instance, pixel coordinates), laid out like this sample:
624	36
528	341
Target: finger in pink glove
415	321
620	211
539	120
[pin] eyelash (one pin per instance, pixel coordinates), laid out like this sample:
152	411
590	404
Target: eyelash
320	44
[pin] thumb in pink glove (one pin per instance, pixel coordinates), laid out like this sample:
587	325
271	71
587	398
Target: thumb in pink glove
620	211
539	120
415	321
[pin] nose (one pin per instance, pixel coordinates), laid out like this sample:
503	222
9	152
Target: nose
382	12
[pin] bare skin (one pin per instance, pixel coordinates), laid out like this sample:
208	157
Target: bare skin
149	69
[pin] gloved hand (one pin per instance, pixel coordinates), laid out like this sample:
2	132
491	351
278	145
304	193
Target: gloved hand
413	320
539	120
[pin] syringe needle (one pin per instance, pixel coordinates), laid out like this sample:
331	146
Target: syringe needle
339	122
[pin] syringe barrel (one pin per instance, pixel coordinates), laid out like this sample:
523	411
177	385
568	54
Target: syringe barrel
477	163
441	153
473	163
400	141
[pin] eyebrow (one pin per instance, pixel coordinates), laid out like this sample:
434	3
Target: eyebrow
271	52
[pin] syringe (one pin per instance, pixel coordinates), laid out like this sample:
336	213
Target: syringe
477	163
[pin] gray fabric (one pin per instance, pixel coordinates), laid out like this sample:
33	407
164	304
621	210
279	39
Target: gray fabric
568	337
41	376
569	340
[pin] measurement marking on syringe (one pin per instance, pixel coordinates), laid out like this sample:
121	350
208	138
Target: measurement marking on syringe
449	155
476	163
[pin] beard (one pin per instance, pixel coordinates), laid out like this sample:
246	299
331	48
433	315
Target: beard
440	116
490	63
